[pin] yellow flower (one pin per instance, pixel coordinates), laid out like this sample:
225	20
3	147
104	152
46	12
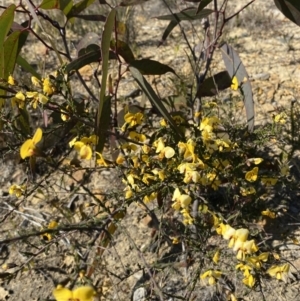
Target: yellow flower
247	191
132	119
29	147
280	272
256	161
178	119
187	219
11	80
137	137
209	123
83	146
251	175
235	84
249	281
36	97
35	81
269	181
243	248
280	118
19	100
120	160
256	261
150	198
48	236
163	123
180	200
212	275
160	173
269	213
244	268
101	160
48	87
216	257
83	293
17	190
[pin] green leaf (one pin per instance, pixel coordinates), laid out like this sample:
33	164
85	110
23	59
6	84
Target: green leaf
6	21
132	2
79	7
104	122
90	57
202	5
64	5
187	14
156	102
212	85
10	50
95	18
122	49
151	67
105	45
27	67
290	8
235	67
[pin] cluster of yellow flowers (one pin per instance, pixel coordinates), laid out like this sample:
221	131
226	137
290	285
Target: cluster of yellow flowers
34	97
248	262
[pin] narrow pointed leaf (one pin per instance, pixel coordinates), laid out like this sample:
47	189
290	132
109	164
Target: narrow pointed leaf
10	49
202	5
6	21
64	5
104	123
236	68
212	85
175	19
151	67
27	67
290	8
95	18
105	45
79	7
87	58
187	14
122	49
132	2
151	95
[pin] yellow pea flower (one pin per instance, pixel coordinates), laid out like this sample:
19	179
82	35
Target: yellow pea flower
268	213
249	281
247	191
256	161
212	275
11	80
280	272
132	119
251	176
137	137
101	160
35	81
29	147
269	181
83	146
256	261
216	257
48	87
17	190
234	84
83	293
